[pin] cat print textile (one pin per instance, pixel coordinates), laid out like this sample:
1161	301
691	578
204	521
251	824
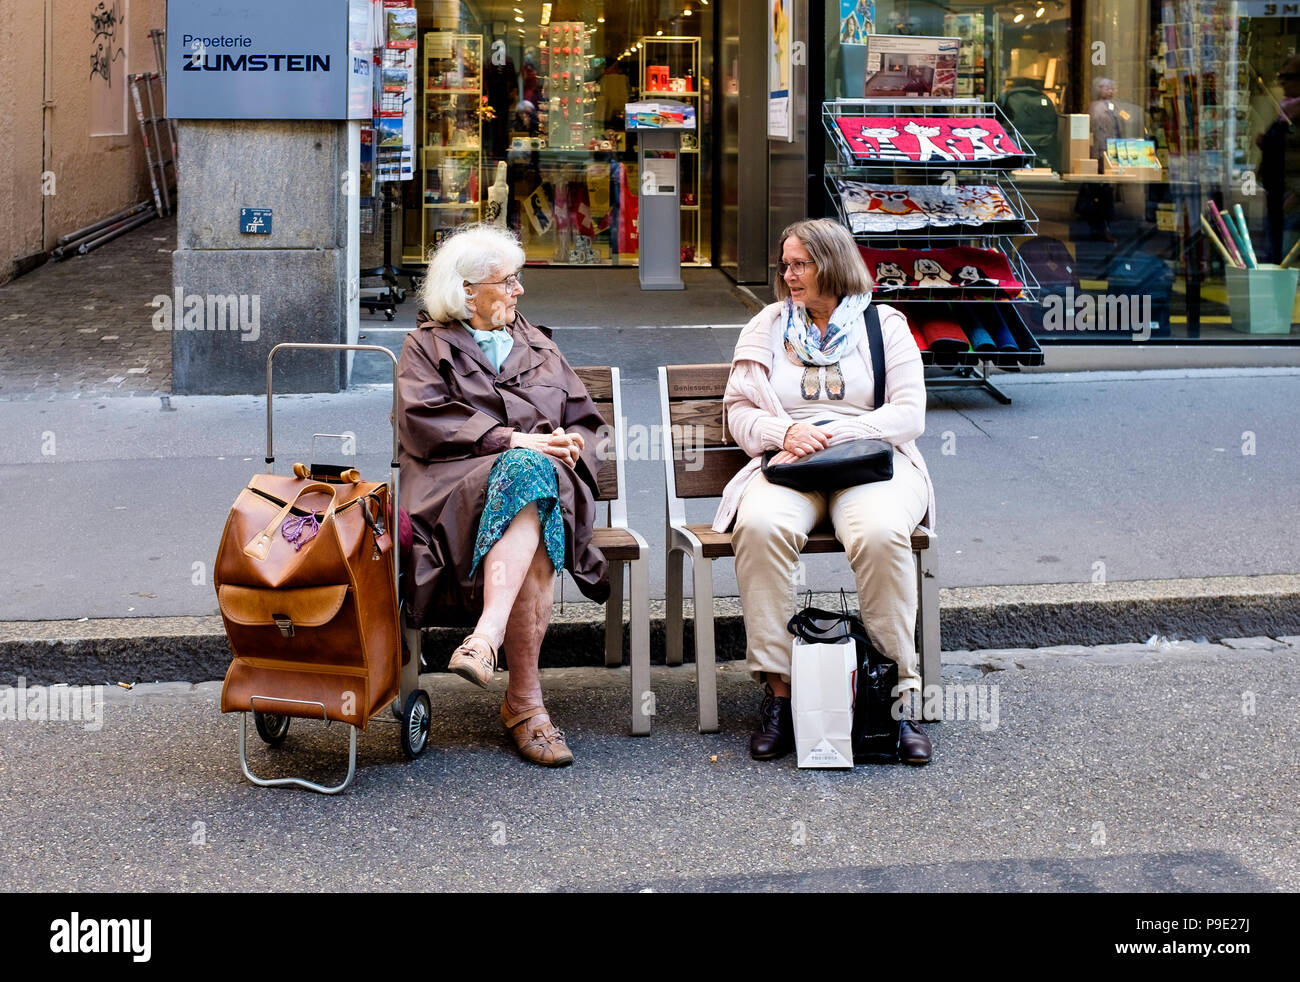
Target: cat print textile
927	139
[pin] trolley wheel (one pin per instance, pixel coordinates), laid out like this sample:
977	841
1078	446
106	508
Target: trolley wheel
388	313
401	296
271	727
415	724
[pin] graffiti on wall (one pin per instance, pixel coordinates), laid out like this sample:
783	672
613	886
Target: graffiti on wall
108	47
105	21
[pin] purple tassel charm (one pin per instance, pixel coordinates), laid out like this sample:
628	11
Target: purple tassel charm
295	530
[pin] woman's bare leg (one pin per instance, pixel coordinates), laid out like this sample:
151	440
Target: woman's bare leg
506	567
525	629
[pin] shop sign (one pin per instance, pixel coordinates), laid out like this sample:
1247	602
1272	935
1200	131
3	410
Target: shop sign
253	59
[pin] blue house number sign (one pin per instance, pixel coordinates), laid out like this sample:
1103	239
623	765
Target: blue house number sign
255	221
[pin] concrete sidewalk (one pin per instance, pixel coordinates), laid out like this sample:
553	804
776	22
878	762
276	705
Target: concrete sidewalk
1158	769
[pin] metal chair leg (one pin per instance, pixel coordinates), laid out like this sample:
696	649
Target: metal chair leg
614	617
706	677
928	614
643	704
673	608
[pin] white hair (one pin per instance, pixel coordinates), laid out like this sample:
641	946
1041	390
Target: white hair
471	254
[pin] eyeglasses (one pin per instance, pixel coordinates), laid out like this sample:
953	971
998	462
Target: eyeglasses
510	282
800	266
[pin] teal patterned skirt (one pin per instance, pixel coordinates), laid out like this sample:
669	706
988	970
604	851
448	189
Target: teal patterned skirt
518	477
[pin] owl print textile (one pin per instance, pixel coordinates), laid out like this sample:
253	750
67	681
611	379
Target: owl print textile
927	139
873	208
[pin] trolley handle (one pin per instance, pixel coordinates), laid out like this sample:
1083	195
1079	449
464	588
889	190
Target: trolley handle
270	445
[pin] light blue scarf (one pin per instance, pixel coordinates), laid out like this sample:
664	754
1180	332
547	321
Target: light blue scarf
495	345
843	333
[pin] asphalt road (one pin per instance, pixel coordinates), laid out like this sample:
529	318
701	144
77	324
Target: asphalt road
115	507
1112	769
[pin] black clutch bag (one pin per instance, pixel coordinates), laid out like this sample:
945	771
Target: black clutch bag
842	466
848	464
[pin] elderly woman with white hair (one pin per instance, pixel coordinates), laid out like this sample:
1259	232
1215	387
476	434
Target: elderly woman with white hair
499	455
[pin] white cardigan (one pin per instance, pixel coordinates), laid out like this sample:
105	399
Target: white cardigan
754	417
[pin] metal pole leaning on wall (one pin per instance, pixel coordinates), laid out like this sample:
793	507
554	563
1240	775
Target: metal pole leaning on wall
148	150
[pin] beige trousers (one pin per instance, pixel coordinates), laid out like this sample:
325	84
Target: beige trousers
873	522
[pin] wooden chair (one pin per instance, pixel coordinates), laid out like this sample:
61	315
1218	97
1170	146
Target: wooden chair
690	401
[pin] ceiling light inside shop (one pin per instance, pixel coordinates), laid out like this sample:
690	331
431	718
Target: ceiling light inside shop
659	33
686	11
600	20
519	20
1015	20
1040	11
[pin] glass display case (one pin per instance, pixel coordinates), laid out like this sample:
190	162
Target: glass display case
451	151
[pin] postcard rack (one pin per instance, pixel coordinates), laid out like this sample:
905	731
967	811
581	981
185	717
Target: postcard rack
932	177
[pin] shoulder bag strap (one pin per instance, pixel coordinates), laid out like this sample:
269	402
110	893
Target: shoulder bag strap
876	342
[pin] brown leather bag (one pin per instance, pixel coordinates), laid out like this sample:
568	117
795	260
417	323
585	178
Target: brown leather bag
304	579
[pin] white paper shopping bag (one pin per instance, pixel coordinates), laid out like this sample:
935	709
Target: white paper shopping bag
821	698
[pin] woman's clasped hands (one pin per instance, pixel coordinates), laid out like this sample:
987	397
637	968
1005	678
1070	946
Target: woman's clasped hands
566	446
802	439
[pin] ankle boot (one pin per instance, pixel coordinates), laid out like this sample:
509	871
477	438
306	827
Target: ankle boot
775	734
913	744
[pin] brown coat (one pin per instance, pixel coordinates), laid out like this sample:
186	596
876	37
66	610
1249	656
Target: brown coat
456	415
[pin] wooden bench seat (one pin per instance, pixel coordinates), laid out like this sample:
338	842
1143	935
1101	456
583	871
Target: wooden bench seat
703	459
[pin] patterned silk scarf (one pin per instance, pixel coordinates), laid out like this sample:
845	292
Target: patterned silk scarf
495	345
843	333
820	356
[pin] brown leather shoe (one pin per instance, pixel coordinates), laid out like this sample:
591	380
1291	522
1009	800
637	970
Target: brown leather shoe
474	662
913	744
536	737
775	734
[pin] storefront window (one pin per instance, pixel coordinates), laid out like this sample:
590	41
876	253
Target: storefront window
1144	119
521	122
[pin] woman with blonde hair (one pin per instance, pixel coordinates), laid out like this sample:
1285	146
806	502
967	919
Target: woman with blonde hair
803	379
499	455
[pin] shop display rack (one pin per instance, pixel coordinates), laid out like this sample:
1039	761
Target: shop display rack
451	154
938	171
670	69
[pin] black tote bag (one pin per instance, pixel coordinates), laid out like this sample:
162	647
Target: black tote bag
875	730
847	464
